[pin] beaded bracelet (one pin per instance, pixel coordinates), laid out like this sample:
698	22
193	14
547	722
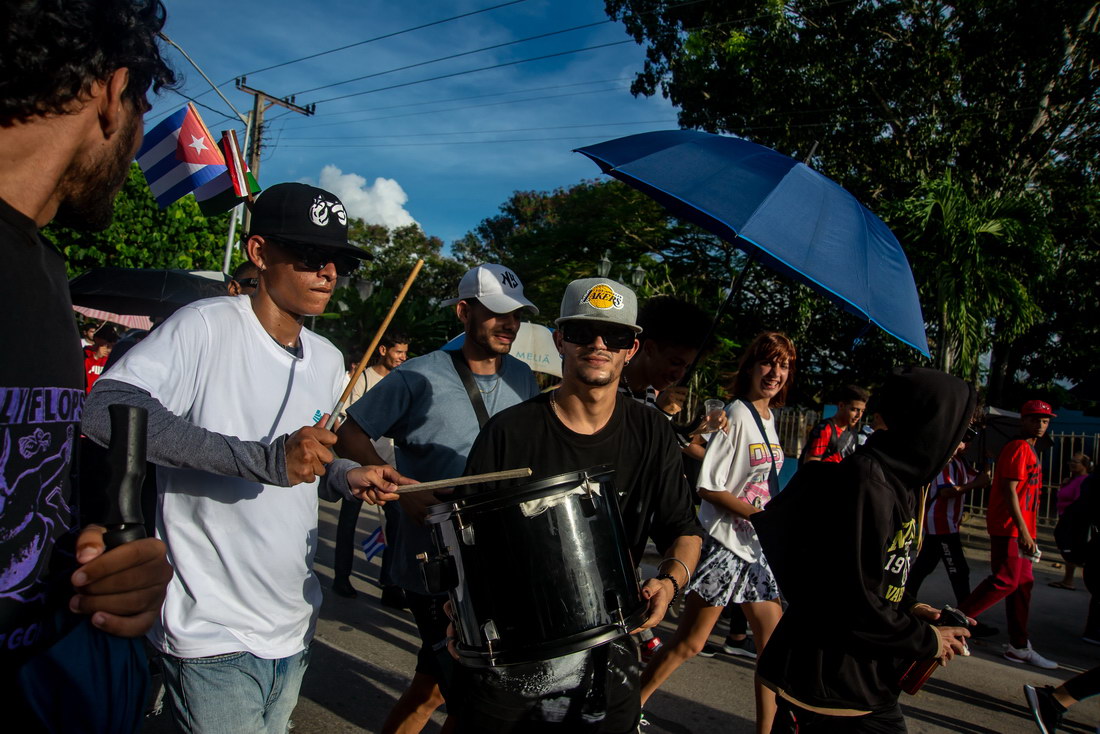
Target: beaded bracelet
675	586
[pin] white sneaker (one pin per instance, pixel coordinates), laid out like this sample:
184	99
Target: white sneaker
1029	656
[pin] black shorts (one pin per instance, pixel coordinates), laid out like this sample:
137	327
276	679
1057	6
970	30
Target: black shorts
431	623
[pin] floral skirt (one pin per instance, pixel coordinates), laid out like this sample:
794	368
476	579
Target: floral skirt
723	577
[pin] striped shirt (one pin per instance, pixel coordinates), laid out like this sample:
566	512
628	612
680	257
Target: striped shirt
944	513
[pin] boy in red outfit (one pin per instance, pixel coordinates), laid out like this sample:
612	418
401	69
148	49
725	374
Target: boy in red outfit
1013	509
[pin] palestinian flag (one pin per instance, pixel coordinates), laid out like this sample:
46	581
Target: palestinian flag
219	196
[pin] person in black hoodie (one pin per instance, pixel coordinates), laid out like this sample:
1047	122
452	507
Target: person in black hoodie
840	540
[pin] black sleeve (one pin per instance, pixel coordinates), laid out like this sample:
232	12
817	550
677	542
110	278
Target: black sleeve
673	512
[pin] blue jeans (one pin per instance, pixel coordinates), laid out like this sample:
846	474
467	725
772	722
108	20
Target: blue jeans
236	693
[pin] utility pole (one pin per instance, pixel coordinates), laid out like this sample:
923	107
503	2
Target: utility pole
261	101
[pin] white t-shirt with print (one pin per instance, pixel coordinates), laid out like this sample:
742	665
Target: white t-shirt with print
739	463
242	551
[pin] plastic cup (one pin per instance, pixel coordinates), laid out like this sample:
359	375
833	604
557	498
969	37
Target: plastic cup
712	409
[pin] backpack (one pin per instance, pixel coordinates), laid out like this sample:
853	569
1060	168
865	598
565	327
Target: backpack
833	446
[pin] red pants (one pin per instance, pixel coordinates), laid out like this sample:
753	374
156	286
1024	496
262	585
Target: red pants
1011	580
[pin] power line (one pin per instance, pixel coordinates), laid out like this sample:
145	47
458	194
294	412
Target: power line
483	132
474	71
736	21
455	99
378	38
454	142
219	113
456	109
741	131
455	56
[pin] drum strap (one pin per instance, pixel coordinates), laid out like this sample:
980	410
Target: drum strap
470	384
773	476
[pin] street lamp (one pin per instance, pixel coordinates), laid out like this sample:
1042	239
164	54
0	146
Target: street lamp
365	288
603	267
637	276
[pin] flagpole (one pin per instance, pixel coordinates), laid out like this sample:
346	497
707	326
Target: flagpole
236	212
213	86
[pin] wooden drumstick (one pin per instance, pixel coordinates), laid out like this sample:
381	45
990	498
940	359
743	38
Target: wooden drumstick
493	476
373	344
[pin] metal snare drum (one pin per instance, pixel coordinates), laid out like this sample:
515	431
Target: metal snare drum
537	571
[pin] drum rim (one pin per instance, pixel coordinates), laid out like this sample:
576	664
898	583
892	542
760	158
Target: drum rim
507	496
478	657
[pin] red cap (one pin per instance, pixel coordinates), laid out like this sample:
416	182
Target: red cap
1037	407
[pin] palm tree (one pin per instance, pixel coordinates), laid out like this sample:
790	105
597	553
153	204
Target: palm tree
974	260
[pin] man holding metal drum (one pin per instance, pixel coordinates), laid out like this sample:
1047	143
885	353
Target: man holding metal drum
585	423
433	406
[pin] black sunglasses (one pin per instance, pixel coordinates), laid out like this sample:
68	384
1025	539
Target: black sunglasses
970	435
248	282
585	332
316	258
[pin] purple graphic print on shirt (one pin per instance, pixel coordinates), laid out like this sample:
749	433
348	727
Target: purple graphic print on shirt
38	430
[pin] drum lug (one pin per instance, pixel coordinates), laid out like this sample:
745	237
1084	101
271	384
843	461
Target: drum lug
490	635
440	573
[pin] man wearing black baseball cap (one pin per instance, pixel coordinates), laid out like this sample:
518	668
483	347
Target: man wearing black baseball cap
228	383
307	222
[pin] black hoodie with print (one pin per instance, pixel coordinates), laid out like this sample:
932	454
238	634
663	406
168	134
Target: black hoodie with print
839	539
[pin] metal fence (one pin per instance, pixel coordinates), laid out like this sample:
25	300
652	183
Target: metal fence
793	425
1053	460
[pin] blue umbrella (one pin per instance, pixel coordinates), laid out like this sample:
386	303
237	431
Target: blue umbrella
780	212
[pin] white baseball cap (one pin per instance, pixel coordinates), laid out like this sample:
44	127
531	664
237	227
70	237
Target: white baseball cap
495	287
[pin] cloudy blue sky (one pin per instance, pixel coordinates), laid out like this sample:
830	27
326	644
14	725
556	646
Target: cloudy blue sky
444	153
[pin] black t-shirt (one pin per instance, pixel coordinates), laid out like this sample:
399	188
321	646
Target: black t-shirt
654	498
598	689
41	399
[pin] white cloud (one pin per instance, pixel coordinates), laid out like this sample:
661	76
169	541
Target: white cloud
382	202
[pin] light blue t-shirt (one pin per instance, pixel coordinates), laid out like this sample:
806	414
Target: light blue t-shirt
423	406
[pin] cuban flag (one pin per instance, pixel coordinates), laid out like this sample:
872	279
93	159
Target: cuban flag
374	543
179	155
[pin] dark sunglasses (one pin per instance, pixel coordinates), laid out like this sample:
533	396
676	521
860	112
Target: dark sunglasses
316	258
248	282
585	332
970	435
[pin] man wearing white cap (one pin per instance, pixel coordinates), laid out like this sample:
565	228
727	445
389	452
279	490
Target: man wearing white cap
433	407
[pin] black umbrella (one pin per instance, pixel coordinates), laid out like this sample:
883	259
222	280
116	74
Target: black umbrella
143	292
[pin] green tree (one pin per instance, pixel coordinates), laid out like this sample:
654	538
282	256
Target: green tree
892	90
890	93
352	321
143	235
974	260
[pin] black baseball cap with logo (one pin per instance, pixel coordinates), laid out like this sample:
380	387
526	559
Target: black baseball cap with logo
297	213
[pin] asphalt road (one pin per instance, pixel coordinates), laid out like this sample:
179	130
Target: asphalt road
364	654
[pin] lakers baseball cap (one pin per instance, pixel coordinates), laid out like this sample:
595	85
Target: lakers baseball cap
298	213
1037	407
600	299
495	287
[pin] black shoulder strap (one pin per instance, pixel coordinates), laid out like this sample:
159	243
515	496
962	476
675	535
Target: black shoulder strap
773	476
470	384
